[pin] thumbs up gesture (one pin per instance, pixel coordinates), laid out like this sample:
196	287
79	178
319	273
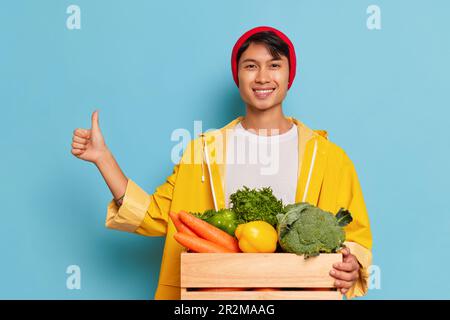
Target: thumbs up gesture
89	144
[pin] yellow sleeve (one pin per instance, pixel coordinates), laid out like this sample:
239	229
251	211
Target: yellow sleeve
140	212
364	257
358	233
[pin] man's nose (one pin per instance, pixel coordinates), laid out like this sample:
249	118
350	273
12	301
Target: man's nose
262	76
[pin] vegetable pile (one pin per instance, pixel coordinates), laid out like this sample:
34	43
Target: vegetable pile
258	222
246	205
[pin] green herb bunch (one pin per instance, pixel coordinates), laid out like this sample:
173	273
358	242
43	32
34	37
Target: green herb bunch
256	204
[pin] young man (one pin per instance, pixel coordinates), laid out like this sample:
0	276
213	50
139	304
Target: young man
307	167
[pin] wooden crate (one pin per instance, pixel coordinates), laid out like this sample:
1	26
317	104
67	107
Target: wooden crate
299	279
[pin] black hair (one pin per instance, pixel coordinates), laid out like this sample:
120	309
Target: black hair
276	46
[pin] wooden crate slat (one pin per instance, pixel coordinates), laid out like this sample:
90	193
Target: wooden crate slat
261	295
279	270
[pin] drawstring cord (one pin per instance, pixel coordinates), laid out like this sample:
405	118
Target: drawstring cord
203	175
308	181
205	153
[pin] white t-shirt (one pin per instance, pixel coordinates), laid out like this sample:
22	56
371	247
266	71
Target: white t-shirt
258	161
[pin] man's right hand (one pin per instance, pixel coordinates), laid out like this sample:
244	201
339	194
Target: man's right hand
89	144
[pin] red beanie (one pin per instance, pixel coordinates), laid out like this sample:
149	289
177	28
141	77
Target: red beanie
248	34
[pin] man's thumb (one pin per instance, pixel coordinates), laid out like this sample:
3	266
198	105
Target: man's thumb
95	127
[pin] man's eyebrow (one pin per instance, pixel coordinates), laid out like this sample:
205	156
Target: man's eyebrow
253	60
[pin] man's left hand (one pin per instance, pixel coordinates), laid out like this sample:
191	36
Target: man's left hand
346	272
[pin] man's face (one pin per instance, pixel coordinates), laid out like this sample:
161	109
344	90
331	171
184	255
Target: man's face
263	80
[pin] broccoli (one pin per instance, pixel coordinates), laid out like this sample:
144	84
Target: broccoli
308	230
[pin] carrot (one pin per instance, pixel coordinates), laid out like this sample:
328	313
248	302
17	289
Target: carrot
209	232
198	244
180	226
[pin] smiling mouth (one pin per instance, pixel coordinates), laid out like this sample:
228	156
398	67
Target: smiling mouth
263	93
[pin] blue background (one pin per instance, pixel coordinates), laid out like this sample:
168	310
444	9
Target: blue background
154	66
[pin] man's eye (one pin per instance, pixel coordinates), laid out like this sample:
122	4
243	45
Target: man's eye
250	66
275	65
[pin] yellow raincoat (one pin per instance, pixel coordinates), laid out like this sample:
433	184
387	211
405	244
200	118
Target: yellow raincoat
327	179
